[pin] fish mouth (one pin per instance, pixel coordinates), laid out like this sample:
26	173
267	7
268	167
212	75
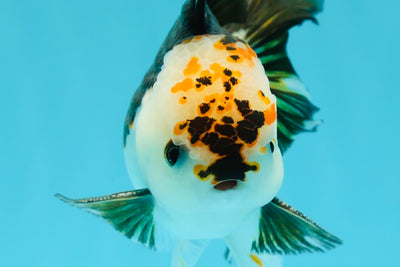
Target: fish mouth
226	185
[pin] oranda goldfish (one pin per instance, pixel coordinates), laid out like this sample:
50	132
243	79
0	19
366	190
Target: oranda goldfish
205	133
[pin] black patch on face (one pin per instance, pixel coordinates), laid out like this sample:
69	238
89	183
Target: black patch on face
227	72
247	132
247	129
212	100
198	85
199	126
227	86
204	80
255	117
235	57
226	139
228	39
225	129
230	48
225	146
204	107
243	106
183	126
227	119
233	80
210	138
227	168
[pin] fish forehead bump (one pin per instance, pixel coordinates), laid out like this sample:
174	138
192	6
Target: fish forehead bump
215	85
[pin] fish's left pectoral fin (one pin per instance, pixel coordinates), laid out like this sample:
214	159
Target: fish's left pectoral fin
284	230
130	213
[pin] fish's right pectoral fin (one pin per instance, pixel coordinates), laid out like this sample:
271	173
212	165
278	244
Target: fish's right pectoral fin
284	230
130	213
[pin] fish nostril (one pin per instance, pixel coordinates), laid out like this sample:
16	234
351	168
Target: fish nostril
226	185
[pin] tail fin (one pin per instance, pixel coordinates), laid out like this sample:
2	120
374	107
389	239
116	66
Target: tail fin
264	25
130	213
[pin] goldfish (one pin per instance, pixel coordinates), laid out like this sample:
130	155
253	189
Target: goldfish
205	133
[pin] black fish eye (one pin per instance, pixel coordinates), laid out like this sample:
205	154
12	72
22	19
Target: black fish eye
171	153
272	146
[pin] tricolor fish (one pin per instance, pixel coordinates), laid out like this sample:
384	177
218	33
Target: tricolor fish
205	133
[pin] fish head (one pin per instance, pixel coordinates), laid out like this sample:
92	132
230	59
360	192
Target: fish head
210	121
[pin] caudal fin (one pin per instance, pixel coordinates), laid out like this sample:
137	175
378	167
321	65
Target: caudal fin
264	25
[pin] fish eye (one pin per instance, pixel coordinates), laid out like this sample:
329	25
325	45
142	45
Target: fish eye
171	153
272	146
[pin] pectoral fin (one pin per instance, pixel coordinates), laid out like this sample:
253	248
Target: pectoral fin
284	230
130	213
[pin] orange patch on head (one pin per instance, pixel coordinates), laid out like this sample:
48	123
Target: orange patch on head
211	98
264	150
237	73
180	127
257	260
251	52
183	100
265	99
270	114
183	86
198	168
255	164
228	106
254	142
244	53
187	41
219	45
218	71
192	67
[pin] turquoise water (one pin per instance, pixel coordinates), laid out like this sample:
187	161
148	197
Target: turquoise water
67	73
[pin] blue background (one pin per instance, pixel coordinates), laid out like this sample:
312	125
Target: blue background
68	70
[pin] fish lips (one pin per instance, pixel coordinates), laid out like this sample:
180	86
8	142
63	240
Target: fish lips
226	185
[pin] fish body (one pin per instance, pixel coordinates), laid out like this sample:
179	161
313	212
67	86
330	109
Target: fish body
205	133
221	116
